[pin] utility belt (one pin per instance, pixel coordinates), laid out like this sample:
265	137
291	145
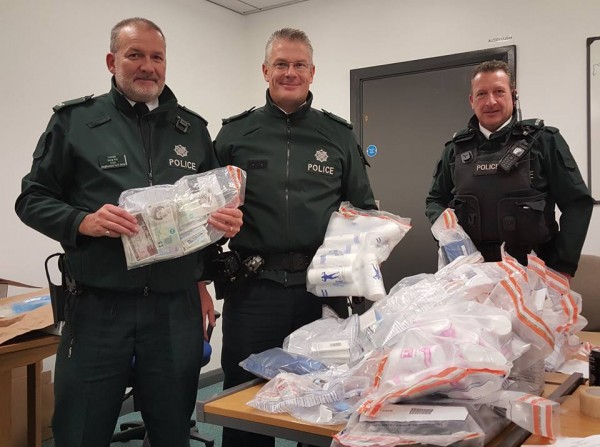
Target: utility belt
295	261
69	287
231	269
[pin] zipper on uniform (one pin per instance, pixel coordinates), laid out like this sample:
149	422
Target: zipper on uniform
146	145
287	172
146	138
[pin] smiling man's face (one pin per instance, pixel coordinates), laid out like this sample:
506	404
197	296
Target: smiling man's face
140	63
289	88
491	98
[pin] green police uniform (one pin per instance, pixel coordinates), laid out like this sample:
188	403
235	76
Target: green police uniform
92	150
515	207
299	167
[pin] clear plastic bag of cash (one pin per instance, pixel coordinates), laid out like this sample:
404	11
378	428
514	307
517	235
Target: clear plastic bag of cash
173	219
356	243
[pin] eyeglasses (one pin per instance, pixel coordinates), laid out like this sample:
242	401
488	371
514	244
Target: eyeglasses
284	66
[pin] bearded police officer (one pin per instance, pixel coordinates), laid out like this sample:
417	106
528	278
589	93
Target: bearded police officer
300	163
147	320
504	176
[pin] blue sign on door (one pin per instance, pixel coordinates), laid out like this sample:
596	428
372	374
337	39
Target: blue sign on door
371	150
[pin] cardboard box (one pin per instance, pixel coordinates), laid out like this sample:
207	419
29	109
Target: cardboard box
22	323
4	283
19	406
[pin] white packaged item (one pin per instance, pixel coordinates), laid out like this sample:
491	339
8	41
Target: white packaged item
355	244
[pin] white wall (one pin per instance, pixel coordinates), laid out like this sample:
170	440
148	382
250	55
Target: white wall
54	50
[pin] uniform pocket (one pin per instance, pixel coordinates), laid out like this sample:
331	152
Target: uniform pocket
570	166
521	220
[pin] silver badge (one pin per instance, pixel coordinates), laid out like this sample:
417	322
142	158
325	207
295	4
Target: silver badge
181	150
321	155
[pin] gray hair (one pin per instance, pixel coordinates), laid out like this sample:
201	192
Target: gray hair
493	66
135	21
287	34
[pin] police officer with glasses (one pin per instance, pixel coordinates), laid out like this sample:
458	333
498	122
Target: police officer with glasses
301	163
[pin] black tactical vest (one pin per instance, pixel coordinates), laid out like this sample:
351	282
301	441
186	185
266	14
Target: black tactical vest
495	206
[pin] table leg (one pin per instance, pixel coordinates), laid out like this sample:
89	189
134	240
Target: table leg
34	404
5	407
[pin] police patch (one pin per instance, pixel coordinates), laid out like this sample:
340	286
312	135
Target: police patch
181	150
321	155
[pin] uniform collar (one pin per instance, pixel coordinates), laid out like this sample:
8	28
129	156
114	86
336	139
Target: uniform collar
274	109
487	133
502	130
151	105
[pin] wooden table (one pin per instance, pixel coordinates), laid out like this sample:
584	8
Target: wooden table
26	350
229	409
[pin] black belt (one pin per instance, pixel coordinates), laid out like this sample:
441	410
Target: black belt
296	261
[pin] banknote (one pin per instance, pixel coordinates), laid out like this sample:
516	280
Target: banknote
195	237
142	245
163	228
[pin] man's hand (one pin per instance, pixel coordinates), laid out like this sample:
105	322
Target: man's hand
227	220
208	308
109	221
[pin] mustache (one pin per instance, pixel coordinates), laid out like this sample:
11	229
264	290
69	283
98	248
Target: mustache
145	77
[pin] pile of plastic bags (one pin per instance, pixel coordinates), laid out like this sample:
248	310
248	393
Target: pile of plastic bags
443	358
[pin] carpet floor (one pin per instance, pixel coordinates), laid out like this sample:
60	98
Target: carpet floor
210	431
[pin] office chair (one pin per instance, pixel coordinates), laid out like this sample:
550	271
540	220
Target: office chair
137	430
586	282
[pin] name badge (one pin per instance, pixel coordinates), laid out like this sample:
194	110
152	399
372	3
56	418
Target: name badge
258	164
112	161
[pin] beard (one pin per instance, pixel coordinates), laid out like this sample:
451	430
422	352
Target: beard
138	93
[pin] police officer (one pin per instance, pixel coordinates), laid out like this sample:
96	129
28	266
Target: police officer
148	319
504	176
300	163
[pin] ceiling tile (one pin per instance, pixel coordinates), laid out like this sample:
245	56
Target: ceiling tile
252	6
234	5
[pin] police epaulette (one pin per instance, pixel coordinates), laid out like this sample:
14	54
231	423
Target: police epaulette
238	116
534	122
192	112
463	135
532	126
71	102
338	119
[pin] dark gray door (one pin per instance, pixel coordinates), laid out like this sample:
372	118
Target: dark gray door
404	113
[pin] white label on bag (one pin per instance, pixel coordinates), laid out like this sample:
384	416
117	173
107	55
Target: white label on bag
411	413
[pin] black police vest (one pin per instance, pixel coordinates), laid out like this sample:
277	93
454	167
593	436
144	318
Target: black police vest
494	206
